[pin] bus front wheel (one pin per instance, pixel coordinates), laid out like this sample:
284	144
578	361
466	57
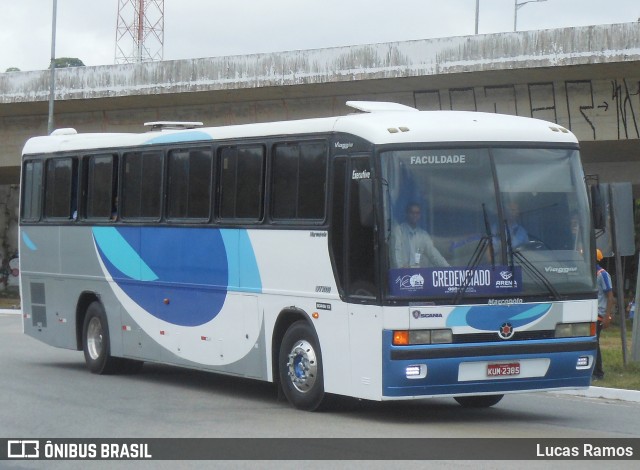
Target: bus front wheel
95	341
300	367
480	401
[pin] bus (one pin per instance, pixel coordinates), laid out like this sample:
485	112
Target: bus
387	254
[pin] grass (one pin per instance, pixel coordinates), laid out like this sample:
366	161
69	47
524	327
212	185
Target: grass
9	298
617	375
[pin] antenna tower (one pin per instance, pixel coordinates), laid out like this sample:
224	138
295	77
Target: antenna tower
139	31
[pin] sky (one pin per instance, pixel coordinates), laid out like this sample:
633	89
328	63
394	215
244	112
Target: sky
86	29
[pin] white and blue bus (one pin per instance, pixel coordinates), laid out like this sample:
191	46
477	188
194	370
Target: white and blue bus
372	255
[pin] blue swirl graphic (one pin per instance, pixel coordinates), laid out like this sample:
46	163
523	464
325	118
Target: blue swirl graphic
174	137
490	317
177	274
28	242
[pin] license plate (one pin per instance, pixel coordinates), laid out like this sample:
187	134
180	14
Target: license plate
500	370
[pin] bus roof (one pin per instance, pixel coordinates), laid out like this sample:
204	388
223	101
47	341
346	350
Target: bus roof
380	125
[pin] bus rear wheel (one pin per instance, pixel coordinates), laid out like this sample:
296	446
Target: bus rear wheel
300	367
480	401
95	341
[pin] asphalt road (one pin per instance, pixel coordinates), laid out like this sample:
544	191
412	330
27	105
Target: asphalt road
46	392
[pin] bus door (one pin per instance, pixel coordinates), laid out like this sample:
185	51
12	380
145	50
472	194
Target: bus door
352	228
354	249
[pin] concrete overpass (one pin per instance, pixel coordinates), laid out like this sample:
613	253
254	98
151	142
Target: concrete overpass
586	79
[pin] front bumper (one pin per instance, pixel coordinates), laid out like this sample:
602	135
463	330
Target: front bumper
455	369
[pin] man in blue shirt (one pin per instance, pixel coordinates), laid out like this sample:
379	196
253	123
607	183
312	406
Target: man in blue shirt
605	309
517	233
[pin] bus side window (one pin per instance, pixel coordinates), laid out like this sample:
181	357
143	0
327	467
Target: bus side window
61	188
299	180
189	184
241	180
101	187
32	190
142	175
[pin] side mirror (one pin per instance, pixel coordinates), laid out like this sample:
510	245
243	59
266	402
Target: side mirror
597	207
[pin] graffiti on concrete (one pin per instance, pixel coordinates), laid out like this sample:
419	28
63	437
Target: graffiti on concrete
592	109
625	97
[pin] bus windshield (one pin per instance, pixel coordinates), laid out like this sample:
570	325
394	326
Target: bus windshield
498	223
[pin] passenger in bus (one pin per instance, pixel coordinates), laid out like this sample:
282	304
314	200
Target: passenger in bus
412	246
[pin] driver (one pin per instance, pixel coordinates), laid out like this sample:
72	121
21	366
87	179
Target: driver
517	232
519	235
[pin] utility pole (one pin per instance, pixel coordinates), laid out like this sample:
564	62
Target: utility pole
52	66
519	5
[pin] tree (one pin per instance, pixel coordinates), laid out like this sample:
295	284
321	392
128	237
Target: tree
62	62
13	69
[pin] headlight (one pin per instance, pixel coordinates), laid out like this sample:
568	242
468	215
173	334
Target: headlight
570	330
441	336
408	337
420	337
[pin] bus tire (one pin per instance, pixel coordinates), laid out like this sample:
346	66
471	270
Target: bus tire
300	367
479	401
95	341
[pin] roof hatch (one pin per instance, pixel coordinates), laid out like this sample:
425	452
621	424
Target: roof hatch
378	106
173	125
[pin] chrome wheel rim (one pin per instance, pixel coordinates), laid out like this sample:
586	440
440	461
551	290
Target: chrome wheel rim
302	366
95	338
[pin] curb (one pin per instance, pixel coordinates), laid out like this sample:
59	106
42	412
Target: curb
10	311
607	393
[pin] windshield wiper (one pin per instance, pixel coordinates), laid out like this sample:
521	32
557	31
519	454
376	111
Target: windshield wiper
528	265
387	235
487	231
484	242
525	263
509	244
536	273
